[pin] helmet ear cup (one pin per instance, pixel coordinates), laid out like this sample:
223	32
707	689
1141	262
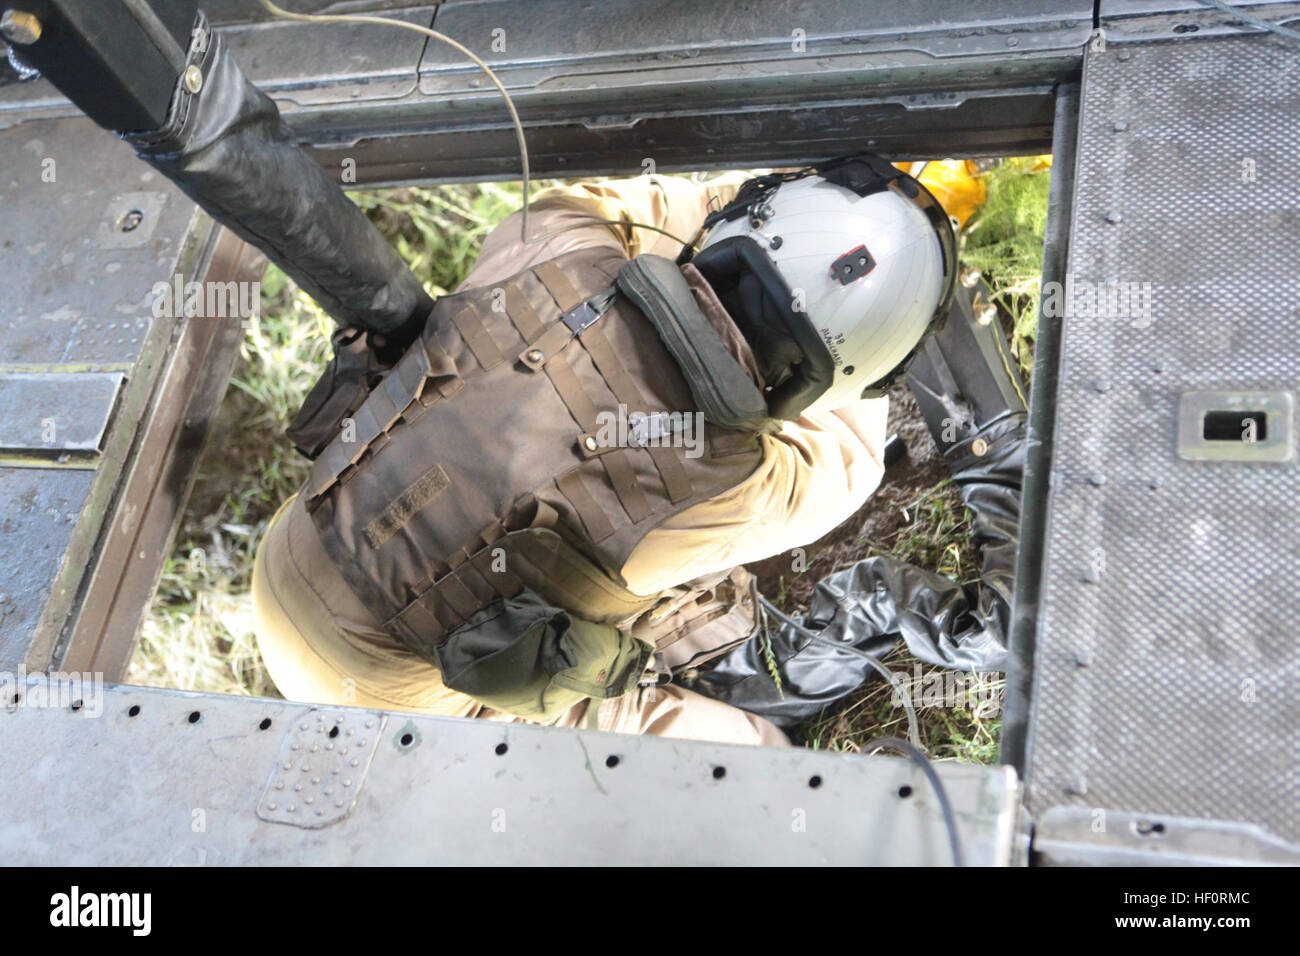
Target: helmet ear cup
795	362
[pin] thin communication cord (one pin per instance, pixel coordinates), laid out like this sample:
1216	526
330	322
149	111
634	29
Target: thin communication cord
912	728
919	758
1252	19
911	749
510	105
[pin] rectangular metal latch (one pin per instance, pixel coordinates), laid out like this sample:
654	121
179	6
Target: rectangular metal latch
585	313
56	418
1216	425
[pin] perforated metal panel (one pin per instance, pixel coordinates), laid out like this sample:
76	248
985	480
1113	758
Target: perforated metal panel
1167	673
114	775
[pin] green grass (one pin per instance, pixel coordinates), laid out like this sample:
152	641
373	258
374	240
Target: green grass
935	535
1004	241
198	633
438	231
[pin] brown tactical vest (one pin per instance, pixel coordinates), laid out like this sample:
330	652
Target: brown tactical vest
477	465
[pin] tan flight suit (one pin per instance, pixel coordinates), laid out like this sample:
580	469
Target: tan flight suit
321	644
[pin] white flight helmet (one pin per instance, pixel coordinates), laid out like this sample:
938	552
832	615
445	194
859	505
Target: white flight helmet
835	275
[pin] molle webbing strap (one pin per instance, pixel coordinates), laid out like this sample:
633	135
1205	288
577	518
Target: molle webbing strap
576	315
618	466
537	558
486	582
563	576
428	618
591	514
621	474
558	284
623	477
442	371
504	581
521	312
403	386
528	512
407	377
436	570
470	325
457	595
417	620
454	597
676	482
557	334
483	587
546	346
491	533
571	392
339	456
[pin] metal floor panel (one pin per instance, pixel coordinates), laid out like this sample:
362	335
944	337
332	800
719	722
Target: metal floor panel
92	379
76	282
38	508
133	775
76	307
1167	663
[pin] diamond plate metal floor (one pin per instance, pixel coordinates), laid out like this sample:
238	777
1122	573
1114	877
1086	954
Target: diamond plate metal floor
1167	664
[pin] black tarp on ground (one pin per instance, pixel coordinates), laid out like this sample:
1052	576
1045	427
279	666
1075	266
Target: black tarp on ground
870	605
973	402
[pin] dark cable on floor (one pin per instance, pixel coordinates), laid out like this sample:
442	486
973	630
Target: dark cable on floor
919	758
913	731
